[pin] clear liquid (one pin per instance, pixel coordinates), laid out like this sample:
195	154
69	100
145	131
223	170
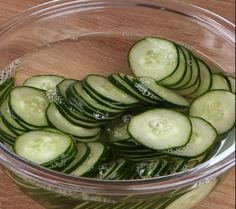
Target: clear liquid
76	58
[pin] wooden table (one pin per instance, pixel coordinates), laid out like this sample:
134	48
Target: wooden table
221	198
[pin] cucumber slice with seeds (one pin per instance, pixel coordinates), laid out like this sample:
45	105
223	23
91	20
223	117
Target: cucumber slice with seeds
155	57
203	137
216	107
44	147
29	105
179	74
161	129
44	82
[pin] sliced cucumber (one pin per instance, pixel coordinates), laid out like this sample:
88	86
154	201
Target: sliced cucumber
61	123
190	199
148	169
44	82
163	95
155	57
188	74
165	164
118	131
6	83
76	121
105	169
6	130
219	81
232	83
100	99
194	75
119	81
121	167
63	86
45	148
188	165
82	153
142	96
109	92
29	105
203	137
5	87
216	107
179	74
80	93
91	163
6	114
161	129
205	81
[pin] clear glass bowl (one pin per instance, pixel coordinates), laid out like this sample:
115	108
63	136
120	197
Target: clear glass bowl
77	37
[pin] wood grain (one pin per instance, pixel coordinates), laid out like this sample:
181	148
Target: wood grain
221	198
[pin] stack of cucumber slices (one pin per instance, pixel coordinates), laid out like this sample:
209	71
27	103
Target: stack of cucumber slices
167	117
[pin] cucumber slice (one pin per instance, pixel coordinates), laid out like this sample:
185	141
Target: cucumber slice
90	101
76	121
164	95
190	199
219	81
100	99
189	165
109	92
203	137
216	107
44	82
205	81
6	130
61	123
161	129
188	74
91	163
5	88
175	166
195	73
119	81
148	169
129	82
105	169
63	86
29	105
6	114
82	153
179	74
44	147
121	167
118	131
155	57
165	164
232	83
6	83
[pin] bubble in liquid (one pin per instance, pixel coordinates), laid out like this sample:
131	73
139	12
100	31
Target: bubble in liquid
9	70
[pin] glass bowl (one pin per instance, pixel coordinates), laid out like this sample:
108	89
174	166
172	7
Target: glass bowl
77	37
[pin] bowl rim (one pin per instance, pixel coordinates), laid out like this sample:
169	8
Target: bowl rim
203	172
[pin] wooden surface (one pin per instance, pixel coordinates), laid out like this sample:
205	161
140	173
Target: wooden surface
222	198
